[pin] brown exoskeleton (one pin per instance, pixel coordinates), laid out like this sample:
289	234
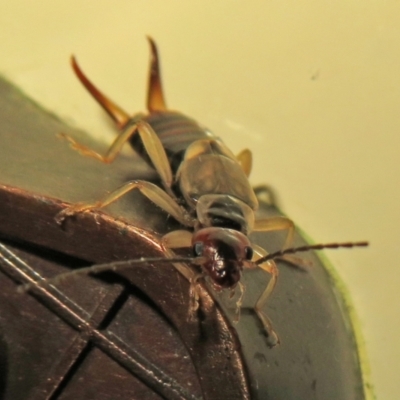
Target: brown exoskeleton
204	187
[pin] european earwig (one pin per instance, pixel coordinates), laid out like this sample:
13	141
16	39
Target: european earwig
205	188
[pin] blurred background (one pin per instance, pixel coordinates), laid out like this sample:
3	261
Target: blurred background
311	87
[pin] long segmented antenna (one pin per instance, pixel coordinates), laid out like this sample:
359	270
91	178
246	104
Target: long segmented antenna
118	265
112	266
300	249
119	116
155	96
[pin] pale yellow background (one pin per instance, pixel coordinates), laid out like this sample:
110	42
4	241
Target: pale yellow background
312	87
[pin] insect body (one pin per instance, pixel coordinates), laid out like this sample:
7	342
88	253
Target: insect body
205	188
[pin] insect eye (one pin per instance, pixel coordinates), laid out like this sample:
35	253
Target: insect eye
248	251
198	249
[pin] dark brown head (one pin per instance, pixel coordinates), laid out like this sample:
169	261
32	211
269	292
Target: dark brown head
224	251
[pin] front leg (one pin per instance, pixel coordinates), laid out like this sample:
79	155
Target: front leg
276	224
181	239
282	223
265	194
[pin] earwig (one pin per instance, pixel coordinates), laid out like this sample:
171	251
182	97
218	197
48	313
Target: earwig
205	188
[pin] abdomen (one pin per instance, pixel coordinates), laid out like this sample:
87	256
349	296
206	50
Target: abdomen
176	132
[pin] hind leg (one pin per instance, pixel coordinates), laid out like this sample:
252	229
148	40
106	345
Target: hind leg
151	191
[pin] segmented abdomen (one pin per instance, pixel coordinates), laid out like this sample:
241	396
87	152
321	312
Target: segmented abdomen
176	132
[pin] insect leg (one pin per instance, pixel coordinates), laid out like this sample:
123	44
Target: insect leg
245	160
113	150
280	223
194	295
177	239
151	143
271	268
156	152
151	191
276	224
242	290
183	239
265	194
